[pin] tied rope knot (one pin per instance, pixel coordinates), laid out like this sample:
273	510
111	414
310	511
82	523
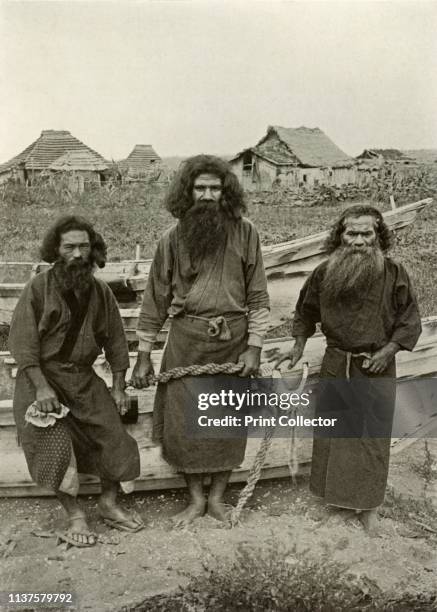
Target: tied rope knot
219	328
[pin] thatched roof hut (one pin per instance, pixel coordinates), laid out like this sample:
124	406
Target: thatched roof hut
303	155
140	158
43	152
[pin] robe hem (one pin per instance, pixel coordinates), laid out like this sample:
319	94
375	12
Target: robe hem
343	505
201	470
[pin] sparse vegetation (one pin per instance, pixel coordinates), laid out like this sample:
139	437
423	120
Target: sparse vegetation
425	467
277	579
417	514
132	214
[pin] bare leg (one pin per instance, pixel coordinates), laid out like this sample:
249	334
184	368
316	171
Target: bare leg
369	519
77	526
109	509
196	505
216	506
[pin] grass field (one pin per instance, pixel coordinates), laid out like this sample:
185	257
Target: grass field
126	216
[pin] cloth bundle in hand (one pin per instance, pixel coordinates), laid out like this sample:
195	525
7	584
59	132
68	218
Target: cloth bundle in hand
44	419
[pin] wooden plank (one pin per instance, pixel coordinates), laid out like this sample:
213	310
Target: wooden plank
155	474
413	410
427	429
30	489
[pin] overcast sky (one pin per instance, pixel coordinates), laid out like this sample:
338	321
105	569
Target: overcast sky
209	76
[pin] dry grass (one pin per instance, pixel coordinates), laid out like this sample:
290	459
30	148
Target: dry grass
126	216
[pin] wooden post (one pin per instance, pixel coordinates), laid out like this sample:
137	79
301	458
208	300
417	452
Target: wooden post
137	252
392	202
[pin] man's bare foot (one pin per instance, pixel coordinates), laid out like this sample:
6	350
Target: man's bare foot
195	509
218	510
119	518
369	520
79	531
347	515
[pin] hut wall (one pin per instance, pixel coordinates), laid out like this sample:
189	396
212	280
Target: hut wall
312	177
5	176
237	167
367	175
79	179
287	176
265	174
308	177
254	172
343	176
31	175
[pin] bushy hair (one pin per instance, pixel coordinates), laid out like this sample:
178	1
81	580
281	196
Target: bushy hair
49	250
384	234
180	195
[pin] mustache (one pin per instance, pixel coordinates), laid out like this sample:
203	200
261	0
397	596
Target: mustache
78	263
350	272
76	274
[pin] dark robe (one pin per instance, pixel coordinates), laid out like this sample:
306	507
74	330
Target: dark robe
63	336
231	283
350	466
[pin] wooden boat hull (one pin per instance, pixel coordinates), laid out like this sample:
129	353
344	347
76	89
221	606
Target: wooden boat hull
415	416
287	266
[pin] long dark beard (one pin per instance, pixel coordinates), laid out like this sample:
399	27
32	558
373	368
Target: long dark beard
203	229
351	272
76	275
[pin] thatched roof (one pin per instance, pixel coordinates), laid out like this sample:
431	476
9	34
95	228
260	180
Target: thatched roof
51	145
312	147
388	154
79	160
140	158
308	147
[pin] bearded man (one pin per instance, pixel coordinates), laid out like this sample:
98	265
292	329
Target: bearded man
368	312
64	318
208	276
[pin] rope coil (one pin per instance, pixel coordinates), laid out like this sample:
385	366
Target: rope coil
260	457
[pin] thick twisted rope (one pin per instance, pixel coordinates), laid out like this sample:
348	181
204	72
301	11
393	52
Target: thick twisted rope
254	475
197	370
260	457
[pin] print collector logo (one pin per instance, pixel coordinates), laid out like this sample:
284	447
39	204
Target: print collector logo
259	421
